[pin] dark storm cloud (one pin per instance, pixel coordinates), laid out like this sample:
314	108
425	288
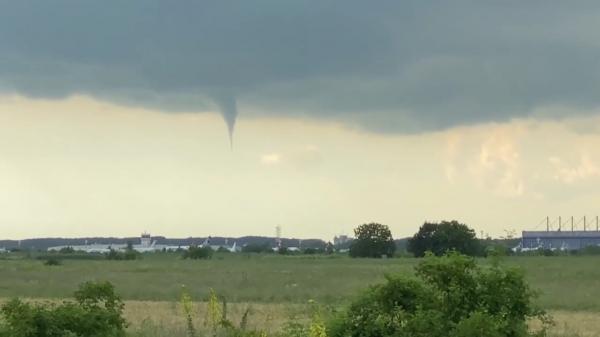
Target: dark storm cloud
397	66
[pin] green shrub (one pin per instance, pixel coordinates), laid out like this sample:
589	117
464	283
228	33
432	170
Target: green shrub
52	262
450	297
590	250
197	253
128	254
96	312
257	248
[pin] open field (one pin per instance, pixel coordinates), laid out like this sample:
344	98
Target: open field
277	288
566	283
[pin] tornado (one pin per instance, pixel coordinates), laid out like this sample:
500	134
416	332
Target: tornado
228	107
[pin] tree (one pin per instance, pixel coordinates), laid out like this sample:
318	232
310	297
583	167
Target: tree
443	237
329	249
372	240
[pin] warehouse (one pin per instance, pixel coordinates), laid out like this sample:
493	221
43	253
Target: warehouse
562	240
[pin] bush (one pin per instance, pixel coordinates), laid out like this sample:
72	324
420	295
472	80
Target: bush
128	254
497	249
96	312
52	262
451	296
312	251
590	250
197	253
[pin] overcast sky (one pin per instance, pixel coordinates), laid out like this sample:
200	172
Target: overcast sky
116	117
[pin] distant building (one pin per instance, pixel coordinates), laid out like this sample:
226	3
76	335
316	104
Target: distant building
146	245
3	250
558	240
341	240
208	244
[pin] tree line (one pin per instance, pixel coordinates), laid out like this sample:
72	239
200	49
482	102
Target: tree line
375	240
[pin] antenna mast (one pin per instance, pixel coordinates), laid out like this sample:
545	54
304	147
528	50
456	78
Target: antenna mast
278	236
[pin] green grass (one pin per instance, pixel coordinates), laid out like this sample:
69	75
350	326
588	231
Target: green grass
566	283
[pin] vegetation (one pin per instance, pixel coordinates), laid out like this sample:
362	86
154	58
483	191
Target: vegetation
451	296
198	253
257	248
273	293
127	255
96	312
372	240
52	262
296	279
440	238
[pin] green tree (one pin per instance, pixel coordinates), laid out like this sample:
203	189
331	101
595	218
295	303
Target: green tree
443	237
329	249
372	240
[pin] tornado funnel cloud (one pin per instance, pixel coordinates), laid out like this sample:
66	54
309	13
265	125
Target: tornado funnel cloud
228	107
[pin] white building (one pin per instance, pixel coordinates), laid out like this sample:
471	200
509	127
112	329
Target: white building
146	245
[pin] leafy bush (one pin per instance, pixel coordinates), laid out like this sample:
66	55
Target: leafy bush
451	296
96	312
312	251
257	248
128	254
497	249
197	253
590	250
52	262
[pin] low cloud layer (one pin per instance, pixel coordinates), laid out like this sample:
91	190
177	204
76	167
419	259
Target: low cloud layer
390	66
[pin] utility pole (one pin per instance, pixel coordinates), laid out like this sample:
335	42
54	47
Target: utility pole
559	223
571	223
278	235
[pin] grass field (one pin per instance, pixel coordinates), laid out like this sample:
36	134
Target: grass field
277	288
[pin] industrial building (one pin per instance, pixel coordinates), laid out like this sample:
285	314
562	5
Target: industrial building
566	237
559	240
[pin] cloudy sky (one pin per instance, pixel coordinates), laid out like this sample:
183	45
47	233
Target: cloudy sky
232	117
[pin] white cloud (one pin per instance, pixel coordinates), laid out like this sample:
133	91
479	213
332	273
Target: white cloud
585	169
270	159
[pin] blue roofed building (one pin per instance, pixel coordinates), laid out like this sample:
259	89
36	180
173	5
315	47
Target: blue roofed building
561	240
